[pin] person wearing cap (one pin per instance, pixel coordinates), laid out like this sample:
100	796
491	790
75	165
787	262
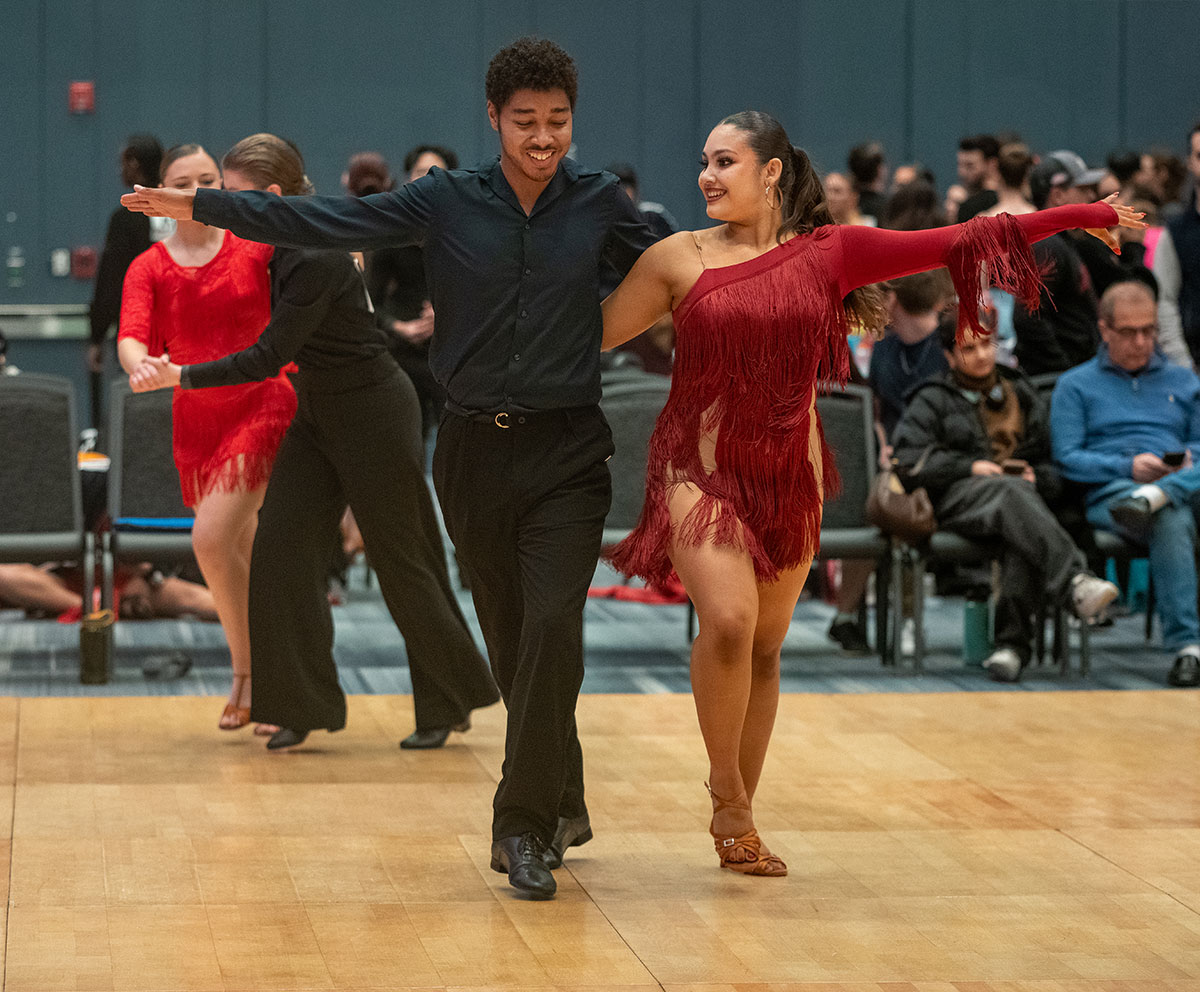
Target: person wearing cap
1061	332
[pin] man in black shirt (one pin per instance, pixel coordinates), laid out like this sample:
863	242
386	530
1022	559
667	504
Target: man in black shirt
513	252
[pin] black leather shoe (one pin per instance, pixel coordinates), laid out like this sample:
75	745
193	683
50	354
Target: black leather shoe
523	859
570	833
1185	673
1133	515
424	740
849	636
286	737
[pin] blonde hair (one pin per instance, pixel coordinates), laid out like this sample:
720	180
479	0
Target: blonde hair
265	159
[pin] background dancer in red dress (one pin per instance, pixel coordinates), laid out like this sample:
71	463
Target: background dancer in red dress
738	466
199	295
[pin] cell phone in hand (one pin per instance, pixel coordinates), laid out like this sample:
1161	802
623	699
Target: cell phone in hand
1014	466
1173	459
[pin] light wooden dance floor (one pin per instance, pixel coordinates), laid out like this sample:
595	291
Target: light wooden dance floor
966	842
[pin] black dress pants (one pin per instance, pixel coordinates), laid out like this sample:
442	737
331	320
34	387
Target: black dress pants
1038	559
361	445
525	507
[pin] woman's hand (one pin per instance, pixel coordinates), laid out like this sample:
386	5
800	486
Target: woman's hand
1126	217
160	202
154	373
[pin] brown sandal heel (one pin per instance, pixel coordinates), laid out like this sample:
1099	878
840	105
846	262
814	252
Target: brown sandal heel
744	854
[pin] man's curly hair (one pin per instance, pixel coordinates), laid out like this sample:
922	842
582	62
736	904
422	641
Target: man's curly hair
530	64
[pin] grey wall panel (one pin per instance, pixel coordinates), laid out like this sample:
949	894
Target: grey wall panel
656	75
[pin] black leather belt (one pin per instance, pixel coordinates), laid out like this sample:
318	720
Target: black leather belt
505	419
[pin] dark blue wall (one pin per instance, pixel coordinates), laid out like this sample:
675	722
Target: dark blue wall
656	74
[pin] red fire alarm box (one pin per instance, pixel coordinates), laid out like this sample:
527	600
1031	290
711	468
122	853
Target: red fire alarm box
81	97
83	262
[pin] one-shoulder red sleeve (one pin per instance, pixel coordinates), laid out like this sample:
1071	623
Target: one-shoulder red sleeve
871	255
137	303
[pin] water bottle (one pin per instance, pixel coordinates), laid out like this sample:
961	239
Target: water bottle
977	631
95	647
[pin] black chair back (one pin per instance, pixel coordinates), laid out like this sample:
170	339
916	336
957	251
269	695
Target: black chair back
41	515
631	406
847	418
143	480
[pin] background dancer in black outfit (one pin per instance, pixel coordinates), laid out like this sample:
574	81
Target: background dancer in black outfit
513	250
356	438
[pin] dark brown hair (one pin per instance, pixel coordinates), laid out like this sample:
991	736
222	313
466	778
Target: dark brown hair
174	154
804	207
265	159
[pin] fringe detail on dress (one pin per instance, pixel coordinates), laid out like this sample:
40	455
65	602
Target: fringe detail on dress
750	352
998	244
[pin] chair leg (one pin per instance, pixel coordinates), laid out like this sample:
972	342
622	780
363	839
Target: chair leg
89	570
106	572
1062	647
1039	636
1150	607
883	605
917	571
691	621
1085	649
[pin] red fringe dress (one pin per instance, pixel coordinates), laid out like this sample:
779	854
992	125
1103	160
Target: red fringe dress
224	439
754	340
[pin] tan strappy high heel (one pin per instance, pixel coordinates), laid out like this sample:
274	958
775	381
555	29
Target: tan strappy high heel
744	854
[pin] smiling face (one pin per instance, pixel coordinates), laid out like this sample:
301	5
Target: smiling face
192	172
732	180
535	133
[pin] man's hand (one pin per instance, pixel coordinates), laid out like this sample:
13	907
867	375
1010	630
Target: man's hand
416	331
1028	475
984	467
160	202
1149	468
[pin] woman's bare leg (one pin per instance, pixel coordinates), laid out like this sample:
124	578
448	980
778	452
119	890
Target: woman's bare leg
222	538
776	603
721	584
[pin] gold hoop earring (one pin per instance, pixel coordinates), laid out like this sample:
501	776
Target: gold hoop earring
774	206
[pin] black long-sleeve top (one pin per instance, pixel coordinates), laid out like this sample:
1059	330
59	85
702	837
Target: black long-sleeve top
321	318
127	237
517	297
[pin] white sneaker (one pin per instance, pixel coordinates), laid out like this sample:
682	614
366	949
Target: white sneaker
1003	665
908	638
1090	595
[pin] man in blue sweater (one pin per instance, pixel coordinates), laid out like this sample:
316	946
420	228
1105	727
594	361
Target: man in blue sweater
1127	425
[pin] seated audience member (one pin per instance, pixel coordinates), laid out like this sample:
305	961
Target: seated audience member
142	592
976	439
977	160
1127	426
1061	333
868	172
1176	264
842	199
913	207
909	353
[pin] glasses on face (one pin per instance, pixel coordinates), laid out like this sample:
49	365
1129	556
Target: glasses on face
1132	333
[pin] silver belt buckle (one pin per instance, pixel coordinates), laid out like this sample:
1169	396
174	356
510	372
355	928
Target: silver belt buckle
504	424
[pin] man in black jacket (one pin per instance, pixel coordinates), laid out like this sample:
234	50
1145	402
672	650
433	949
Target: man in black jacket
977	439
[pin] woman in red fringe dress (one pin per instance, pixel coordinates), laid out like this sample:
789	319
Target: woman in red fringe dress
738	466
199	295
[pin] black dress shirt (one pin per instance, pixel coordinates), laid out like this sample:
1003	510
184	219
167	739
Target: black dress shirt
321	318
517	297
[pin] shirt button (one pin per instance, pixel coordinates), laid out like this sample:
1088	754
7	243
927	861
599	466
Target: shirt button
527	271
516	358
527	227
524	313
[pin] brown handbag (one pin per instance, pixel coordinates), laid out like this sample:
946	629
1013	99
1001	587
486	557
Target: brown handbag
908	516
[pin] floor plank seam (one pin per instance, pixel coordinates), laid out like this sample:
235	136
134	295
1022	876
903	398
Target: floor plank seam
616	930
1132	874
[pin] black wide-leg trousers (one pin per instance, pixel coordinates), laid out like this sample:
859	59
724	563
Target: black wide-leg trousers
361	446
525	507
